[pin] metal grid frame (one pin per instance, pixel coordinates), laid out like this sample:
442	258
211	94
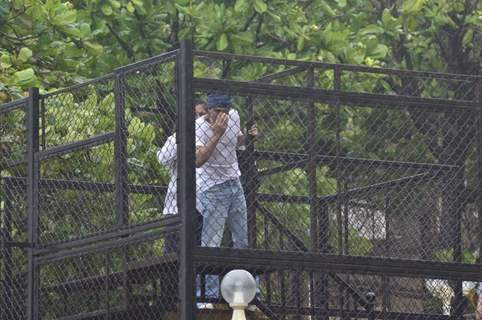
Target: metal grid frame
313	258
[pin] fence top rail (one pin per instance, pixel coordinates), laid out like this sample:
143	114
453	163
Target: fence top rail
106	77
13	105
340	66
348	98
147	62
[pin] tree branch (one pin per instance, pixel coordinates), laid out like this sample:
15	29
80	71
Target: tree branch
125	46
143	33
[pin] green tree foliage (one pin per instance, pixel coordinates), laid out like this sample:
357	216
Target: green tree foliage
54	43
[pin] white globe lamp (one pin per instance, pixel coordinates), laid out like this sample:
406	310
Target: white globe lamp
238	289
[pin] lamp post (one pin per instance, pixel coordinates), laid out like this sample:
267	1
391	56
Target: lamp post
238	289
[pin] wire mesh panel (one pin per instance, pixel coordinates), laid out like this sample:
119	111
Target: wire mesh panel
13	210
346	178
348	192
394	82
298	291
130	279
359	175
149	107
77	113
76	161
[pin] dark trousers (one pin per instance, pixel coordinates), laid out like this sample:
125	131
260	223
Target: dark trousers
171	240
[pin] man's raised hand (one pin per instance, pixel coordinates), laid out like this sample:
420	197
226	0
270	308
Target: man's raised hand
219	126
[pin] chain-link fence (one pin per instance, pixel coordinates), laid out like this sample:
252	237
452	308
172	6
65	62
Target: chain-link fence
348	192
346	161
13	209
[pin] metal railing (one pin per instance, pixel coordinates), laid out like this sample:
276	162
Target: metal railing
362	190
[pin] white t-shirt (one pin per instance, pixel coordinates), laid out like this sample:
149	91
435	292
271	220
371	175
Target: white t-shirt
167	156
222	165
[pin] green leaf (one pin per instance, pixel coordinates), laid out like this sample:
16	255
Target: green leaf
84	30
24	54
327	10
5	60
65	17
274	16
246	37
300	44
130	7
106	9
341	3
468	36
260	6
372	29
412	6
411	23
115	4
24	78
94	48
240	5
222	42
71	31
386	17
379	52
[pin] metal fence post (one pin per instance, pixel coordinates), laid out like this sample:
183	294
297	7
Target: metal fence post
121	178
186	178
251	184
479	162
32	201
6	255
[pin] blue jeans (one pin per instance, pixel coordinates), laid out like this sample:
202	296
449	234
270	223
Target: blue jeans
223	203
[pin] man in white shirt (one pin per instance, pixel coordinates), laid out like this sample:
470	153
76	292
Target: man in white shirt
167	156
217	178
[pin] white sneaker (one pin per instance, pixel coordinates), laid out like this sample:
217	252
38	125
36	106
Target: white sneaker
252	308
208	306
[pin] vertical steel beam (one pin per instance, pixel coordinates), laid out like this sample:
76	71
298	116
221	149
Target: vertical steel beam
251	184
186	192
121	177
8	286
479	162
337	87
120	150
311	168
32	200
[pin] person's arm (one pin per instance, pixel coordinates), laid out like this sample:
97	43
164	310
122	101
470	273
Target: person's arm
253	131
167	154
203	152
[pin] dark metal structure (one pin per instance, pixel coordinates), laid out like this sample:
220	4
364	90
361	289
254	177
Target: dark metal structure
364	192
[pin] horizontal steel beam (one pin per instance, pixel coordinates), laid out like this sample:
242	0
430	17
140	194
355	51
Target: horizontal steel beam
7	164
76	146
343	67
278	75
109	235
274	261
137	273
333	97
354	314
349	162
142	64
16	244
61	184
107	77
350	194
13	105
112	244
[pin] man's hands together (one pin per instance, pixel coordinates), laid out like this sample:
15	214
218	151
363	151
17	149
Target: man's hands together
219	126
